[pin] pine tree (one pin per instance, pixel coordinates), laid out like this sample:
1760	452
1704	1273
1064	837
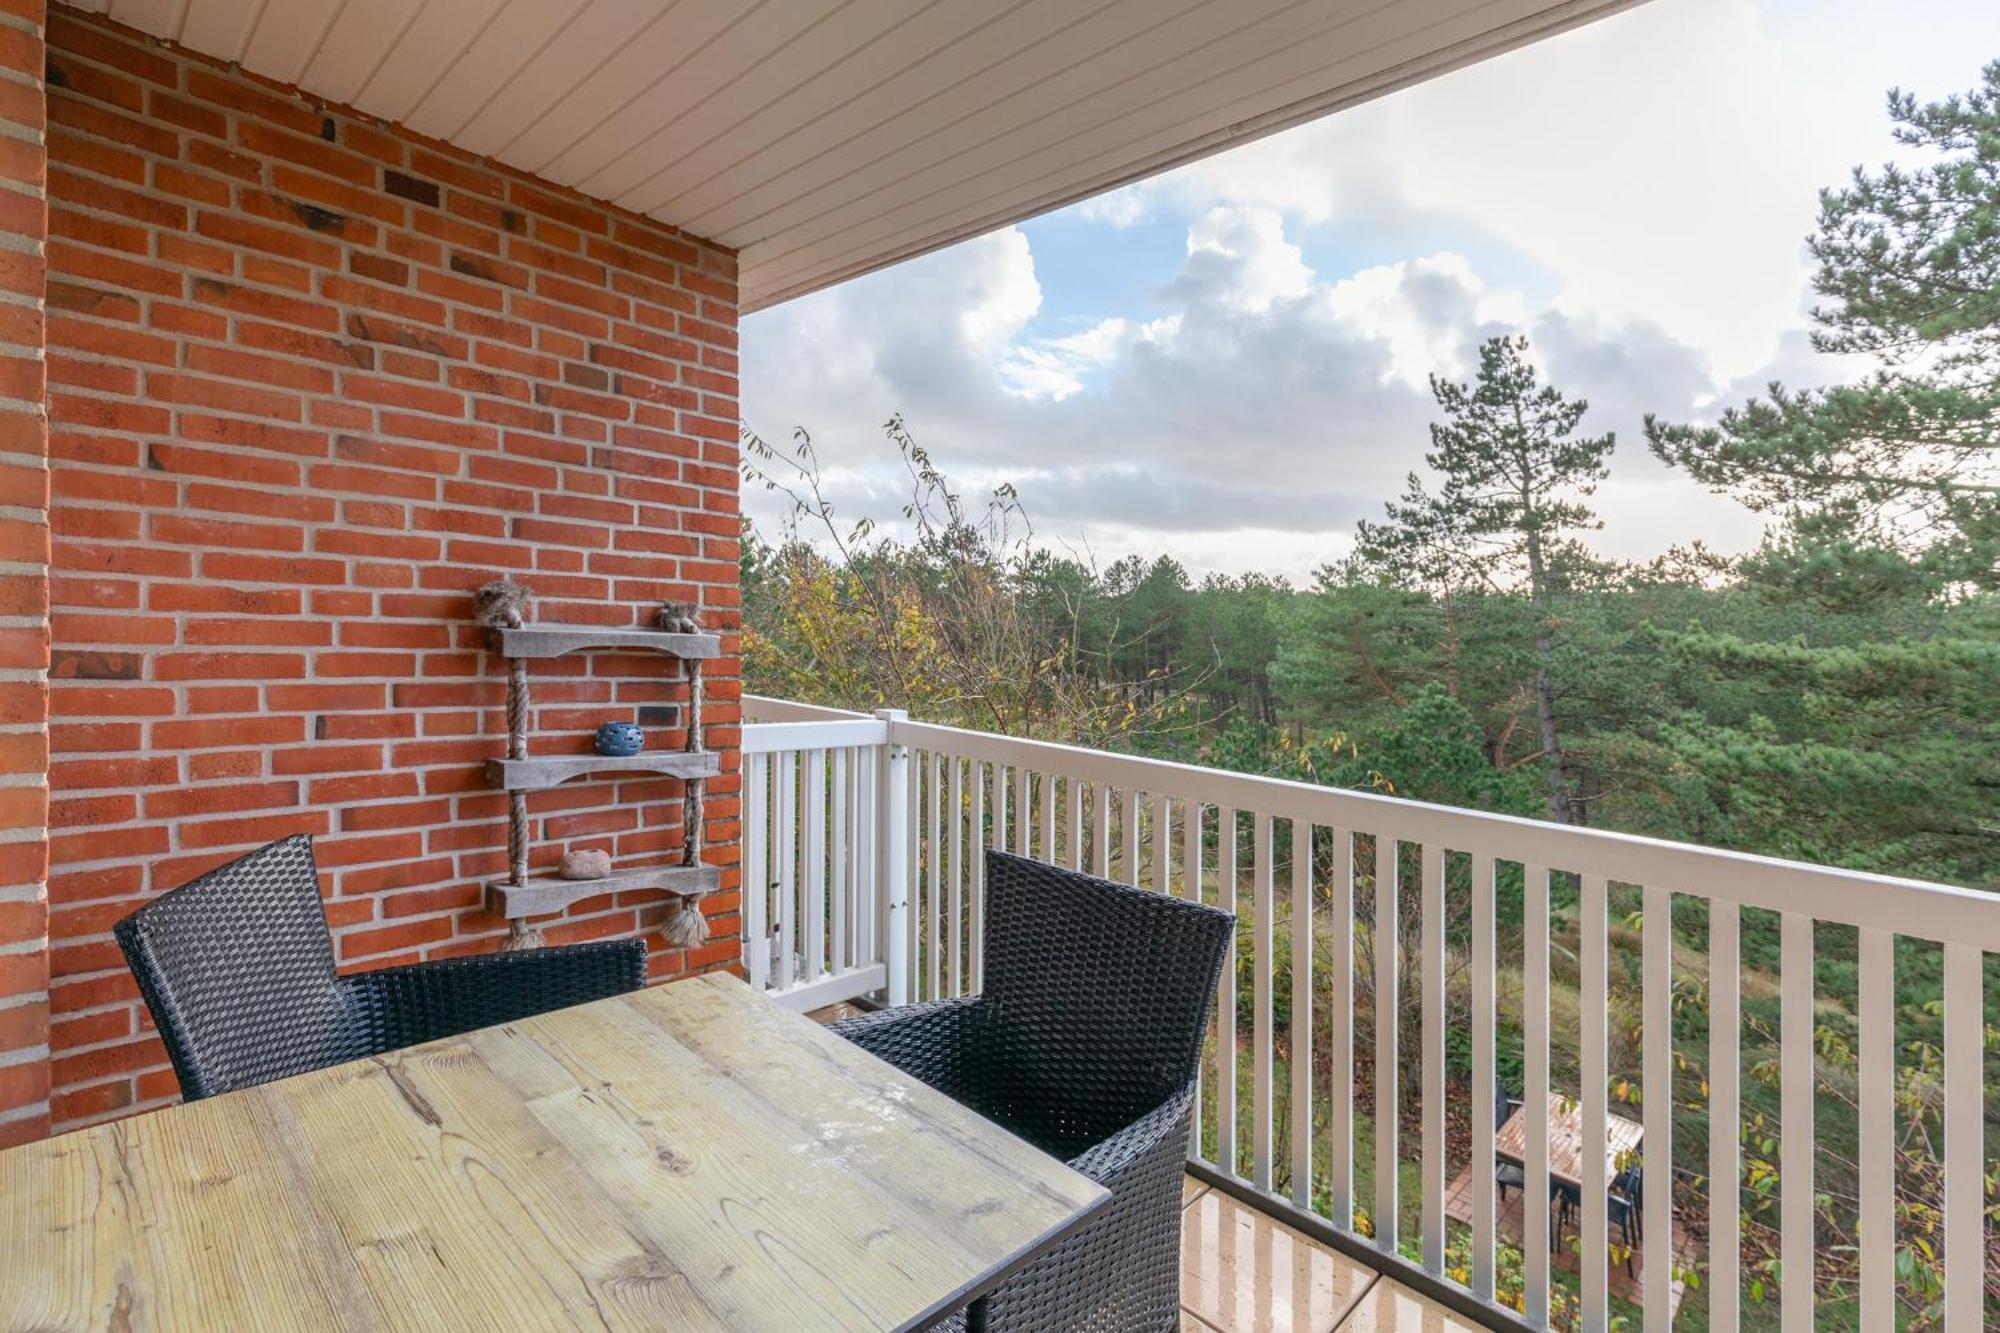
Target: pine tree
1513	477
1908	459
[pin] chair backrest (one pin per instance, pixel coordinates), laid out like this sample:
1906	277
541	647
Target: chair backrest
237	969
1097	980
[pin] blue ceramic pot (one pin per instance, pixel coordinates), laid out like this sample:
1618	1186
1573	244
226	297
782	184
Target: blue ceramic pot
619	739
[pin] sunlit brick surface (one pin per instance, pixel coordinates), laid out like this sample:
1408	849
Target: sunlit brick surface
311	381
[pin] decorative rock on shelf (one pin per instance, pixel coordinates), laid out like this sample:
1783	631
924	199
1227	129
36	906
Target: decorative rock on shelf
620	740
585	863
680	617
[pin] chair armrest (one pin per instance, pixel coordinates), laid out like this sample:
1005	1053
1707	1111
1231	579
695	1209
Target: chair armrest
402	1006
931	1042
1109	1160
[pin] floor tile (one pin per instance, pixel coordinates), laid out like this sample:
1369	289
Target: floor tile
1245	1272
1190	1324
1391	1307
1191	1189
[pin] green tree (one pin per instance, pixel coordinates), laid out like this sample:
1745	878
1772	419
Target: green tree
1513	473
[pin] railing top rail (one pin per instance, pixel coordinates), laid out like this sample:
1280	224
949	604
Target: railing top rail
835	734
759	709
1918	908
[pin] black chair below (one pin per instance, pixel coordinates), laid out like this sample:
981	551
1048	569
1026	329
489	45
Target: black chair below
1625	1202
237	968
1085	1042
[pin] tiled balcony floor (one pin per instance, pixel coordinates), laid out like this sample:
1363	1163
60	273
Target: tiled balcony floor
1243	1271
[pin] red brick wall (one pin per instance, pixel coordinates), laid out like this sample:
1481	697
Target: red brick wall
311	380
24	586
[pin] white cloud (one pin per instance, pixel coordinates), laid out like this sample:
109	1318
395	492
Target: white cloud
1055	367
1419	308
1247	427
1662	163
1245	248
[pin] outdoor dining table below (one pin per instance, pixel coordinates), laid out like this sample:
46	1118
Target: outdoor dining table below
1622	1138
686	1157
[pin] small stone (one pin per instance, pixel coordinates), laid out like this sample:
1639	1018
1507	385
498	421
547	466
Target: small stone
585	863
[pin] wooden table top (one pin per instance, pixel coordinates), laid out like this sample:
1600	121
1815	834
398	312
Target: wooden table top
1622	1138
686	1157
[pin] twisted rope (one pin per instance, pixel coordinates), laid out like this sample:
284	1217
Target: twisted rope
519	934
687	927
517	748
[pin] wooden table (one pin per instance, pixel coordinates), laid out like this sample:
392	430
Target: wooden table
688	1157
1565	1119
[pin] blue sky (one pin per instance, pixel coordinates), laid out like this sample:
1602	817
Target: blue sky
1227	362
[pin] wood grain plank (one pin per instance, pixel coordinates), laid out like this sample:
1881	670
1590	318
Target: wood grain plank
688	1157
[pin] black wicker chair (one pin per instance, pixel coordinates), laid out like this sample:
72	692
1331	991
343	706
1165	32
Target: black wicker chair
1085	1042
237	969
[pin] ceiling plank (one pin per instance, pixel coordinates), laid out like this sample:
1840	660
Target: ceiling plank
577	54
491	66
647	66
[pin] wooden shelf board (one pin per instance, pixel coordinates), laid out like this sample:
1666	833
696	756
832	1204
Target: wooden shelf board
552	770
543	894
539	641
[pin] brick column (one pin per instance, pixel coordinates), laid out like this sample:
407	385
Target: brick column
24	582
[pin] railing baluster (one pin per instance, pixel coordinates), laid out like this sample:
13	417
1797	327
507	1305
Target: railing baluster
1388	1094
1024	811
889	805
1340	1086
1100	840
867	894
1163	845
1432	978
1075	794
1964	1136
1656	988
1225	997
812	913
1876	1085
911	853
837	852
1594	999
1302	1013
1049	820
1128	835
1191	851
1725	1163
954	942
1262	1054
975	907
999	808
788	839
1535	1092
756	876
1795	1113
997	815
934	843
1485	1002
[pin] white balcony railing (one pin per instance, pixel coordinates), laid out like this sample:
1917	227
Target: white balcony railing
863	878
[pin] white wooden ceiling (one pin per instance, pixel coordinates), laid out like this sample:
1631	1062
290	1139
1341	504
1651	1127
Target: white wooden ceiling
824	138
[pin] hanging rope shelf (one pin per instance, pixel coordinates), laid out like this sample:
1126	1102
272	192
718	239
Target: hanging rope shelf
502	608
